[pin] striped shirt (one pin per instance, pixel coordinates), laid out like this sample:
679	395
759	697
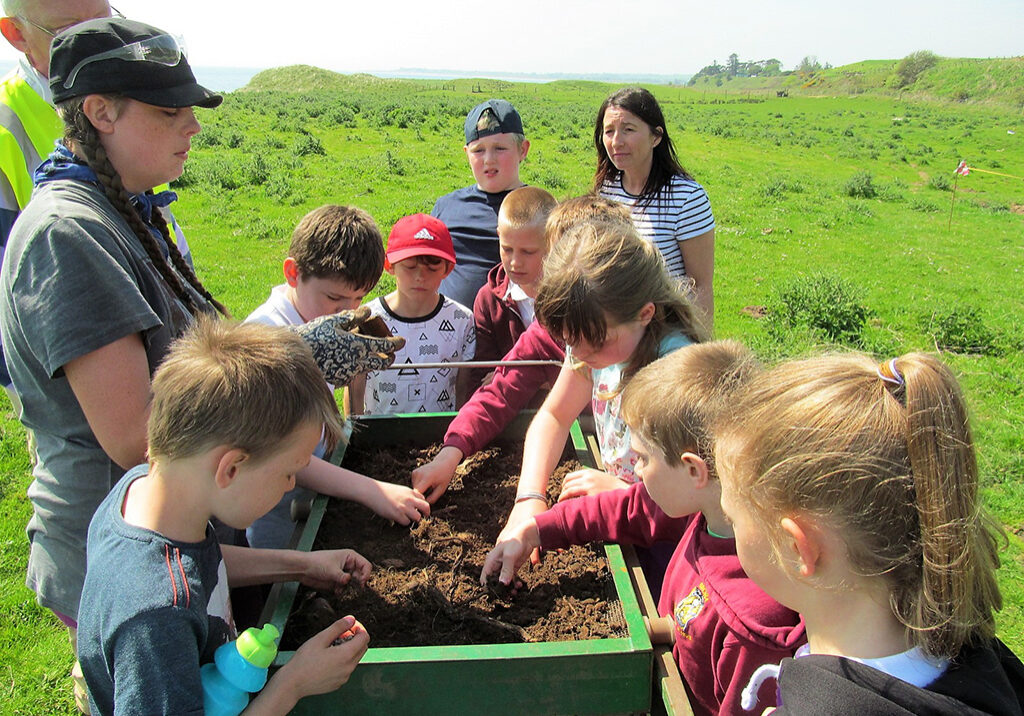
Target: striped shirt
680	211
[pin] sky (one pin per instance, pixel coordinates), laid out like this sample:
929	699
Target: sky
574	36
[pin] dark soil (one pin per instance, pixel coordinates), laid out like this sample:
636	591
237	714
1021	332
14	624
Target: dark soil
425	586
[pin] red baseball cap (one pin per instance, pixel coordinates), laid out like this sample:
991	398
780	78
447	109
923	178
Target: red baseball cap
419	235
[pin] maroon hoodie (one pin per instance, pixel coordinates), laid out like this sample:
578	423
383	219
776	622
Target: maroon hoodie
725	626
493	406
498	323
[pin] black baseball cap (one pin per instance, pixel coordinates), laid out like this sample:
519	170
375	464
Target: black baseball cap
495	116
119	56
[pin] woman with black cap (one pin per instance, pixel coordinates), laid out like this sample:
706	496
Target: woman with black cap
93	289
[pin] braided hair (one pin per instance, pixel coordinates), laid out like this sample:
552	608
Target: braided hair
79	130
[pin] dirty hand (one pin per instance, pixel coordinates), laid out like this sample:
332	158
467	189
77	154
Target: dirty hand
326	660
588	481
514	545
433	478
331	569
398	503
522	515
341	351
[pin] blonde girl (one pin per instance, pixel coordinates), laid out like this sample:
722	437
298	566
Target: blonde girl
852	487
606	293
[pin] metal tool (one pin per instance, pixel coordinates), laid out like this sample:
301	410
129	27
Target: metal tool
473	364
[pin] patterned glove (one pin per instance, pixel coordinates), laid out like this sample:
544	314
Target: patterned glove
342	351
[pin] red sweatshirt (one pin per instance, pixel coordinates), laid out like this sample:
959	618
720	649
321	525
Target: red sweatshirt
725	626
493	406
498	323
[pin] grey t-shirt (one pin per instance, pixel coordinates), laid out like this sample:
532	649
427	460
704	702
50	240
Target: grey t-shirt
74	279
153	610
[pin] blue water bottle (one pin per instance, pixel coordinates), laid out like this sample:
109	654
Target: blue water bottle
239	668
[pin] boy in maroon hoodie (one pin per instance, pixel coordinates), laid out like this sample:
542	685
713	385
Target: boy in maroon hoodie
724	626
503	308
494	405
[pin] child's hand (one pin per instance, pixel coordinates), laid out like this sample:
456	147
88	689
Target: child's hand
520	518
325	661
332	569
433	478
341	351
397	503
514	545
588	482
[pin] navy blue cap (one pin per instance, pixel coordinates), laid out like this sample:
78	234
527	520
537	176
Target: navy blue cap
495	116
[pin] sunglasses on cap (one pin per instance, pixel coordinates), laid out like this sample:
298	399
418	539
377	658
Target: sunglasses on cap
163	49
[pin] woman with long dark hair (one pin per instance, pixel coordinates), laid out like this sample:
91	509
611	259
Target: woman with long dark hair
637	165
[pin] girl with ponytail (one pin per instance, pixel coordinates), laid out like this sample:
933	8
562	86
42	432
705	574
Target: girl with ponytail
852	487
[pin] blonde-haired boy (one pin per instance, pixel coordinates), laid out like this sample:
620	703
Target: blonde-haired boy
495	146
723	627
237	410
503	308
494	405
335	258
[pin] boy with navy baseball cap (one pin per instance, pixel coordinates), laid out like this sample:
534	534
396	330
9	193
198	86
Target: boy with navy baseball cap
495	146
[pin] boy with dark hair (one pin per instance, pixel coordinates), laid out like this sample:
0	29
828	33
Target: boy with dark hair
336	257
722	625
495	146
237	410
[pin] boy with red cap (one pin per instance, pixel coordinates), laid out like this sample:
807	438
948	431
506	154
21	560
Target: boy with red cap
436	329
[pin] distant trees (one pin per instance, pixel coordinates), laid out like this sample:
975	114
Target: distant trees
910	67
808	65
737	68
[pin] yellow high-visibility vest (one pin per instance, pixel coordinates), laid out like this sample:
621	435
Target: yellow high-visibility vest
28	127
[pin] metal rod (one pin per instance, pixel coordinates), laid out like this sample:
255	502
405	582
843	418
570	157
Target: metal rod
473	364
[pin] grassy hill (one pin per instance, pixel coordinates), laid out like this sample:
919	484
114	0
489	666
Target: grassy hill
997	81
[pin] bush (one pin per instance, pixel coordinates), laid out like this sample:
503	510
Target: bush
924	206
307	144
209	137
911	67
961	330
940	182
777	187
257	171
828	304
860	186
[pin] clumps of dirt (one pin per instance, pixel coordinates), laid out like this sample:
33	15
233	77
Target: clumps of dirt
425	589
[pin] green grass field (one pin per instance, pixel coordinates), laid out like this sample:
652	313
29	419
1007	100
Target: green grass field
855	189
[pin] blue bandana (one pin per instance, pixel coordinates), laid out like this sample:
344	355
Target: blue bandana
63	164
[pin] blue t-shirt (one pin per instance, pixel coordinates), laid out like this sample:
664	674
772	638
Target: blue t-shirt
152	611
471	216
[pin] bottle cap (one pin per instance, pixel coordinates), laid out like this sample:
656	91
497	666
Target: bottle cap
257	646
